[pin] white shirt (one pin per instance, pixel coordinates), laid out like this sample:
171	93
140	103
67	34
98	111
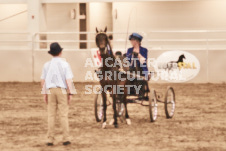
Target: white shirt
56	72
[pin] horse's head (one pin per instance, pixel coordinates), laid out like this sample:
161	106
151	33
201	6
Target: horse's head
181	58
101	40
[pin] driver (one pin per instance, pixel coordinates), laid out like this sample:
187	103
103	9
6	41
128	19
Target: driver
137	55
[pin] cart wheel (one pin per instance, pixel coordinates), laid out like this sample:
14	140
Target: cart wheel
145	93
170	102
153	110
98	105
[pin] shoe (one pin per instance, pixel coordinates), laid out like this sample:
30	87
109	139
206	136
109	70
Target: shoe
49	144
66	143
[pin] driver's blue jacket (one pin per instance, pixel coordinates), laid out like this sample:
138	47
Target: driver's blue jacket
144	53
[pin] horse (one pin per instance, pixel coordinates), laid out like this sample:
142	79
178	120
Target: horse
108	60
171	63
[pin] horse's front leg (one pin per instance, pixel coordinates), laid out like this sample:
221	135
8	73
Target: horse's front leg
104	97
128	121
115	112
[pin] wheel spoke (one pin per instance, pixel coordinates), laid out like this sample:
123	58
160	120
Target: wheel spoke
120	107
98	108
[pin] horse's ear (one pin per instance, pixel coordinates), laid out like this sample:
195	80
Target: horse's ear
105	30
97	30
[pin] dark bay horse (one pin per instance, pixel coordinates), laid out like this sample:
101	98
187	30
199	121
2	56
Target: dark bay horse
110	77
170	65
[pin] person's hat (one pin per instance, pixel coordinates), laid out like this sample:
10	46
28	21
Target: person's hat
55	49
136	36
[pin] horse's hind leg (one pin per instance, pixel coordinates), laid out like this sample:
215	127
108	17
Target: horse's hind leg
105	109
115	112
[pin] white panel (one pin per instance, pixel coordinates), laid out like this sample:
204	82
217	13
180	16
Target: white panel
15	66
16	21
100	16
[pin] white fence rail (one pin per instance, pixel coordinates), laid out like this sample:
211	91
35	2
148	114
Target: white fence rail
153	40
202	42
15	41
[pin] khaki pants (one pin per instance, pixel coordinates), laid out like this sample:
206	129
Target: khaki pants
58	101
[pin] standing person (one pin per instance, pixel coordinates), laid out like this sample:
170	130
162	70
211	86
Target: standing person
57	87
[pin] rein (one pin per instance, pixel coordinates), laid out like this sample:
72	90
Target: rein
109	51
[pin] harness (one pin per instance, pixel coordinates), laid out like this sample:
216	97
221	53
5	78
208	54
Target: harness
108	47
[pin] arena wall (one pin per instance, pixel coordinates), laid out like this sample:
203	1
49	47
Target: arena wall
23	61
17	66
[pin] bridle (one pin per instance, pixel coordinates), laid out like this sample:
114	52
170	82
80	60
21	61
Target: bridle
107	45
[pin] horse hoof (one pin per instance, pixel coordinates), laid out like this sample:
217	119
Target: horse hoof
128	121
116	125
104	125
111	122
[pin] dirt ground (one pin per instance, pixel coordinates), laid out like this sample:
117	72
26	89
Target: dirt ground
199	122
